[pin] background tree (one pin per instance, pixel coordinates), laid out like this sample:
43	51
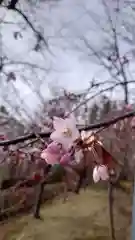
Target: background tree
113	50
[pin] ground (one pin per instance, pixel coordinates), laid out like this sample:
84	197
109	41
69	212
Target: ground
82	217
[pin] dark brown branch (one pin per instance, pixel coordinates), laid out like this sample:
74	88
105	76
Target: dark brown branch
87	128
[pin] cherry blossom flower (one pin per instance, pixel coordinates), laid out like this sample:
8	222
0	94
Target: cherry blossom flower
65	132
100	173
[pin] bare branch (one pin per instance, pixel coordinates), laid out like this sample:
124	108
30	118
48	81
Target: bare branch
90	127
117	53
110	88
39	36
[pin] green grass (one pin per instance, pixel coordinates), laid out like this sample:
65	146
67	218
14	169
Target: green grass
83	217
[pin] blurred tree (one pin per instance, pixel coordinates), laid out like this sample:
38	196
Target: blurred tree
93	113
106	107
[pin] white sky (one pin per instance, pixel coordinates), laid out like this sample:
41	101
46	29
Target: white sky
61	24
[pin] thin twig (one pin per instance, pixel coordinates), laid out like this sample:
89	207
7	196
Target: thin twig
99	93
39	36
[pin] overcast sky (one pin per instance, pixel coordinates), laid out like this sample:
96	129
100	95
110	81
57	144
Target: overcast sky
62	24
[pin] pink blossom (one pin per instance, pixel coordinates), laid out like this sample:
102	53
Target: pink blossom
52	154
100	173
58	123
65	132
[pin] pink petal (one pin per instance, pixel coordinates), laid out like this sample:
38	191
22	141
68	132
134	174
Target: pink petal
55	136
53	148
50	158
70	121
76	134
66	142
58	123
71	124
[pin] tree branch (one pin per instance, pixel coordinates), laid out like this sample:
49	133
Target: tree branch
87	128
117	53
38	34
110	88
12	6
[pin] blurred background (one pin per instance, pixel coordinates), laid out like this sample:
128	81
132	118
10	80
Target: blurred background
63	56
